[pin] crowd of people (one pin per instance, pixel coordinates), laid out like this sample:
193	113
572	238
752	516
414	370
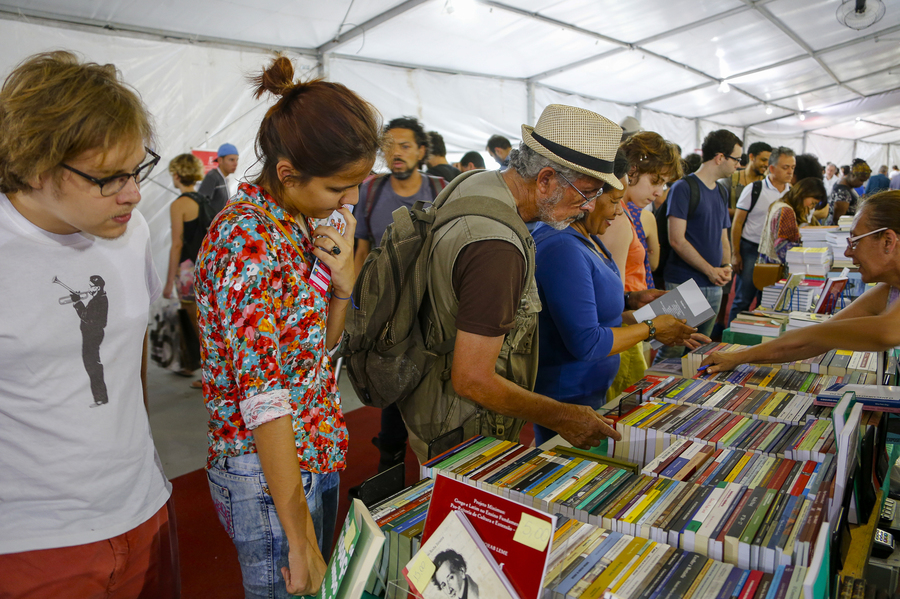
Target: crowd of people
539	322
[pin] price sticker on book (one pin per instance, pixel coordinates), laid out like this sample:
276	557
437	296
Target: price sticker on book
349	536
419	571
533	532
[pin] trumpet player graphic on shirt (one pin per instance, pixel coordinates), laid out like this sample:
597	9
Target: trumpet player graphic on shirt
93	321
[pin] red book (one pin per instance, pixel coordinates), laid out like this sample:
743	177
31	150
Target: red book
749	589
709	429
710	467
780	475
807	471
646	385
665	463
496	520
724	430
761	436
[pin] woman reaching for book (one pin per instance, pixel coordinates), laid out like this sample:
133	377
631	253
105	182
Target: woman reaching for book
871	322
584	307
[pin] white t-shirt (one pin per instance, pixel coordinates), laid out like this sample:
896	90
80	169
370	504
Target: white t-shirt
756	218
74	469
830	183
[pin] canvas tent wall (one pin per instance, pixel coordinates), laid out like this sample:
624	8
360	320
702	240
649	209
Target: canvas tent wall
196	88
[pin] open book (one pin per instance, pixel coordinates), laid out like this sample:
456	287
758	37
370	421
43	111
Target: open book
685	301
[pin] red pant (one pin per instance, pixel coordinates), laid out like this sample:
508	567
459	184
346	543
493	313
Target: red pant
141	563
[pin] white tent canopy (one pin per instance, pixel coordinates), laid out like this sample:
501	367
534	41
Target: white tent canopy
472	68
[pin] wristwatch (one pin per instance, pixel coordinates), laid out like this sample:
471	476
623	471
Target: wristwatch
652	334
627	297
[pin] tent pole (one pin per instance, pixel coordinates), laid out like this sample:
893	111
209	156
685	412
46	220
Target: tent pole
529	103
854	151
323	65
803	147
697	132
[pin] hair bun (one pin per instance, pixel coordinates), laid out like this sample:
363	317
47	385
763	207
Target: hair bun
278	79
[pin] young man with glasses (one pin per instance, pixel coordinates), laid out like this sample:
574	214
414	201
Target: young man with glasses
699	239
85	509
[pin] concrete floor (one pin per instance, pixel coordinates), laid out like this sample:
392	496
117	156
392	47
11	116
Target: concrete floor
178	418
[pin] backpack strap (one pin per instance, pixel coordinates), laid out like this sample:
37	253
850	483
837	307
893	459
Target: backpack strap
735	178
754	194
723	191
694	200
376	185
437	185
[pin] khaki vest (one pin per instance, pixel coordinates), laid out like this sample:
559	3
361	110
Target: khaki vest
434	408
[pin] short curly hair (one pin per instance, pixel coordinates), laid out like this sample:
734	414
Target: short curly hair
648	153
188	168
54	108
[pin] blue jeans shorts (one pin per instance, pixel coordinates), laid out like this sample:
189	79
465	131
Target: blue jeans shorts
246	510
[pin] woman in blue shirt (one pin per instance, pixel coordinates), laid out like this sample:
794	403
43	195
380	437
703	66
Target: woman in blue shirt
580	330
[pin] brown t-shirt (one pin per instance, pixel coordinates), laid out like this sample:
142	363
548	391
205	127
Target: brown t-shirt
488	279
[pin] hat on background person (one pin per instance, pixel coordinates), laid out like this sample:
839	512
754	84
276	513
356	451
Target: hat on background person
577	138
630	126
227	150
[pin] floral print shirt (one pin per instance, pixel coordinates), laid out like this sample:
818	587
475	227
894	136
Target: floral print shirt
262	331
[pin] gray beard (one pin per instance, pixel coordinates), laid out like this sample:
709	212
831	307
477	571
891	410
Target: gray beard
545	209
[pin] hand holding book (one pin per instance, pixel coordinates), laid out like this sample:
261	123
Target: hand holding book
673	331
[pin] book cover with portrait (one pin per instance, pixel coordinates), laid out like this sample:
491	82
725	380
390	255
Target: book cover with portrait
454	563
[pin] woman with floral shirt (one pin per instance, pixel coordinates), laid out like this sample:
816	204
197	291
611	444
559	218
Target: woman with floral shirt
276	426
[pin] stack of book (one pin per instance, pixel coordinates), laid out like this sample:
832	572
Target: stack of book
652	506
837	241
845	222
401	519
816	237
799	320
818	262
794	258
595	562
846	366
794	293
771	405
653	426
765	324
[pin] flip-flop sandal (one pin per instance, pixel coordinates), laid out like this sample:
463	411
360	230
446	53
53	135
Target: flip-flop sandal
197	385
184	372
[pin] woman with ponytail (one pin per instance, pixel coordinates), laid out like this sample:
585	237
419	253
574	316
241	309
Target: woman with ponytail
277	438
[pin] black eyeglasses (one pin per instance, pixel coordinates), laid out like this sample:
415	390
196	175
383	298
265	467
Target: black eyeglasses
110	186
738	159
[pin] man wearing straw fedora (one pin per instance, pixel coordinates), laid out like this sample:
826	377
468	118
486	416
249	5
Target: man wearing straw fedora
483	297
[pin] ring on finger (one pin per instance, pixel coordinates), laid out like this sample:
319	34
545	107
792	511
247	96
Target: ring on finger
335	250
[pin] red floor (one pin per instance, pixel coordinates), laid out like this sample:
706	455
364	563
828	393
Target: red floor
209	566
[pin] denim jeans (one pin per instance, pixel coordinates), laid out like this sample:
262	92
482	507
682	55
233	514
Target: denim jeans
744	290
241	498
714	297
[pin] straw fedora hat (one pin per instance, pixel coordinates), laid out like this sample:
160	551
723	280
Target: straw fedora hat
577	138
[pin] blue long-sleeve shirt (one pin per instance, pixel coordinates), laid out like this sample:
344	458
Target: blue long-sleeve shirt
582	296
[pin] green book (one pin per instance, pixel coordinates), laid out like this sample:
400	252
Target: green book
355	551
